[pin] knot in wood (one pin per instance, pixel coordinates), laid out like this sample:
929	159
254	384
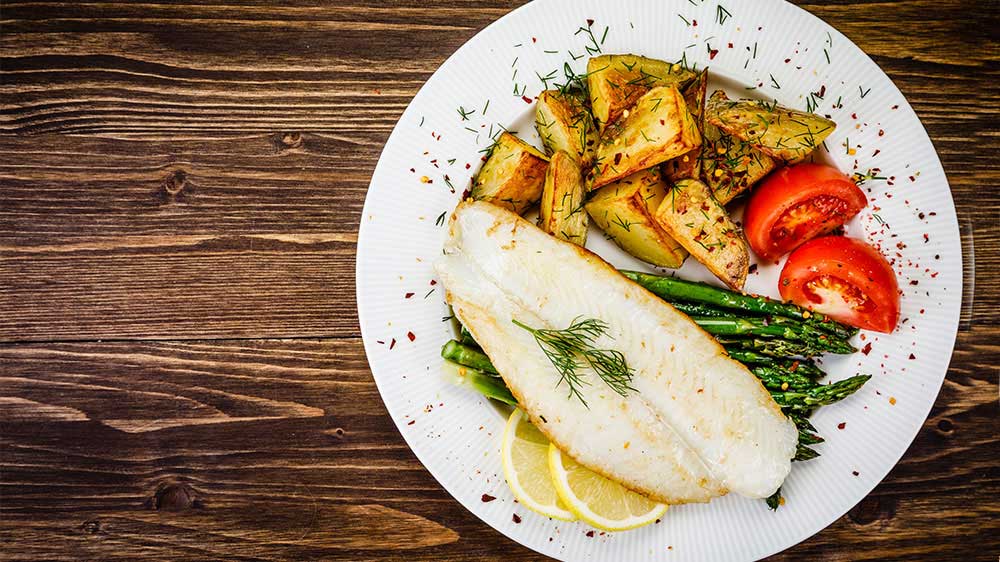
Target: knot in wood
91	526
290	140
175	182
174	497
945	426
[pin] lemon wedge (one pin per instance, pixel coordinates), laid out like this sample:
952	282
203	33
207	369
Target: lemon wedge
601	502
524	454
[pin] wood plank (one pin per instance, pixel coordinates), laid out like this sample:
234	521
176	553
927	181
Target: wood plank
271	450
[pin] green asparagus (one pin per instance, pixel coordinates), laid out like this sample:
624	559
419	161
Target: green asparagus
781	379
763	327
465	338
802	367
490	387
470	357
819	395
698	309
803	453
673	289
772	347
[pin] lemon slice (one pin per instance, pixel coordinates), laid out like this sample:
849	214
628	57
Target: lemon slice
524	454
601	502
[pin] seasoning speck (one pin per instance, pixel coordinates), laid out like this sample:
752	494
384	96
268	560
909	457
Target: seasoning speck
590	534
487	498
841	425
411	336
516	518
892	400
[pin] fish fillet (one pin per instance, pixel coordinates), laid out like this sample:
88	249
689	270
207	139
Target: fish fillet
699	424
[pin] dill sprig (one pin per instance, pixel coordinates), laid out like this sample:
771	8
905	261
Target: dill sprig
571	349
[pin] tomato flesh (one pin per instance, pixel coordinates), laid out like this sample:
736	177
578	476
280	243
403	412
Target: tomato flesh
845	279
797	204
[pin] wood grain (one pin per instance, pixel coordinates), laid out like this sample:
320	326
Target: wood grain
181	373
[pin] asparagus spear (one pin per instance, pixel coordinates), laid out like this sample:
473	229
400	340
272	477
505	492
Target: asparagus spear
699	309
781	379
819	395
803	453
802	367
674	289
771	347
465	338
762	327
774	500
490	387
470	357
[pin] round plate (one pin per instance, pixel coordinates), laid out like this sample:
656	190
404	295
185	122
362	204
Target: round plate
774	50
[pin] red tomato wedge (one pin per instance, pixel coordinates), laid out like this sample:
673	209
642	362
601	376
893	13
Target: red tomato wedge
845	279
796	204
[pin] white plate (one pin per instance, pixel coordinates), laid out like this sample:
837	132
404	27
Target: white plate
782	50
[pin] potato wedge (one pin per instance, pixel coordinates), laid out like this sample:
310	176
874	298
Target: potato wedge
560	211
616	82
624	210
512	176
564	124
780	132
730	166
687	165
698	222
659	127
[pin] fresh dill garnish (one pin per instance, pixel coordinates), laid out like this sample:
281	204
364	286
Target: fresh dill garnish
722	14
465	113
863	91
684	19
774	82
440	219
572	349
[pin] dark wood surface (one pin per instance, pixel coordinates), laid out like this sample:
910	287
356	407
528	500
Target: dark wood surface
181	369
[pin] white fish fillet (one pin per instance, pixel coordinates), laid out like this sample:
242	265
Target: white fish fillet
699	424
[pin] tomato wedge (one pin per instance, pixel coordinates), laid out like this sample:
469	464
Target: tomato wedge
796	204
845	279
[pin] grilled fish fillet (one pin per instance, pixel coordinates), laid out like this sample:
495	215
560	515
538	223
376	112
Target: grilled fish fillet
699	424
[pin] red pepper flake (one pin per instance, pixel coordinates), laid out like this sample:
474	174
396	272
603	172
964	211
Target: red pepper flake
895	106
912	356
854	116
526	99
534	40
788	61
408	296
516	518
927	238
590	22
590	534
411	336
877	151
467	165
730	45
914	282
412	422
413	170
867	348
855	472
712	53
487	498
841	425
694	23
392	344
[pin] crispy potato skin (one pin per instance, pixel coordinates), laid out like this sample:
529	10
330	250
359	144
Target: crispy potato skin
513	176
659	127
564	123
702	226
561	211
616	82
624	210
782	133
687	165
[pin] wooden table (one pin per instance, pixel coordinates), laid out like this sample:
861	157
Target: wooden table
181	370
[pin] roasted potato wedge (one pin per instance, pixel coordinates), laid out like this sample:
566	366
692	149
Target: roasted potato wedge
564	123
657	128
730	166
782	133
616	82
560	211
624	210
702	226
512	176
687	165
